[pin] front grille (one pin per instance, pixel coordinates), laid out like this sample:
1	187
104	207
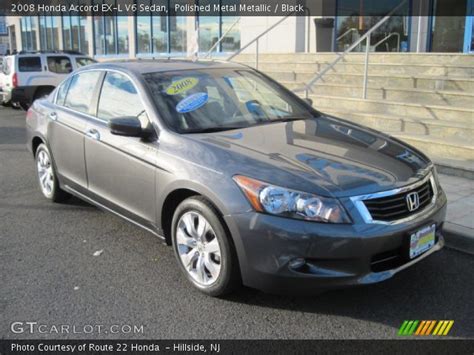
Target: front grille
393	207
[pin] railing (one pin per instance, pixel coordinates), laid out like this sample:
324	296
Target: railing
350	30
390	35
308	87
209	54
255	40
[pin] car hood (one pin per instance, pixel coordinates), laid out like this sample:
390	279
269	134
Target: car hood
324	155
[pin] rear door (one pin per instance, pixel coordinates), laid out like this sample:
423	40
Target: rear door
67	124
121	170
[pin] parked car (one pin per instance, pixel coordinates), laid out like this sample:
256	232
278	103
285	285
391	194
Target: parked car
245	180
28	76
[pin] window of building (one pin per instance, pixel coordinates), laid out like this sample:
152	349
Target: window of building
211	28
49	32
59	65
119	98
354	20
29	64
81	90
3	26
29	26
75	33
110	33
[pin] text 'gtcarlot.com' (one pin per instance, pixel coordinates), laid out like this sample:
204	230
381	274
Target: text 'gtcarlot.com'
38	328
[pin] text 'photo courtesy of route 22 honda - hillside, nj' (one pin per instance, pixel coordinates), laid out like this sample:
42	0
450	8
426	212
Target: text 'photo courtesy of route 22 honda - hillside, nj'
246	181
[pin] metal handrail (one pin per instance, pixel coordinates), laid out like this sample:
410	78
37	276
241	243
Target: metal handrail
390	35
352	29
308	87
209	54
257	38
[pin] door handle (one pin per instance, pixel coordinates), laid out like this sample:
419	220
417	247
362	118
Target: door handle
93	133
53	116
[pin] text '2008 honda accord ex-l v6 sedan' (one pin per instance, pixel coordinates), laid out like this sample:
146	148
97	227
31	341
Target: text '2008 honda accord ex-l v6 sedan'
247	182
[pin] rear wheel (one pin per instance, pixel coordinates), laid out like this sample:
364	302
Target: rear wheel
47	179
203	248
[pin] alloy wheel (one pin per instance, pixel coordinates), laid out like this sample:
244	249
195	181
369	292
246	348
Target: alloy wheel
45	173
198	248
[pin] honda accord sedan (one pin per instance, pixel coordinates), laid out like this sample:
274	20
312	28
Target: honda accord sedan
247	182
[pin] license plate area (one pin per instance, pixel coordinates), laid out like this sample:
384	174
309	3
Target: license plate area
422	240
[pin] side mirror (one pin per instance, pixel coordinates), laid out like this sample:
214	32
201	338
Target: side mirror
129	127
308	101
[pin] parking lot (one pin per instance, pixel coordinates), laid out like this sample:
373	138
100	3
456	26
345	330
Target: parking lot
50	275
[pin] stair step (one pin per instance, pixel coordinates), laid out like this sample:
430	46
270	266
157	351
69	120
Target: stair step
401	109
439	148
393	58
393	124
374	68
419	96
442	83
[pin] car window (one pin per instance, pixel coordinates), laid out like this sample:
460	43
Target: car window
62	90
59	65
29	64
81	90
119	98
83	61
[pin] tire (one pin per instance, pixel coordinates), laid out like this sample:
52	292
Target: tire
46	174
42	92
197	254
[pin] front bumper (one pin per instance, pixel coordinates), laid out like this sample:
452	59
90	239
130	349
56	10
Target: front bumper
335	255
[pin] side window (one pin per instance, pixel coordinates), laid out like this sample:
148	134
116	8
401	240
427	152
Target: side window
62	90
29	64
81	89
82	61
119	98
59	65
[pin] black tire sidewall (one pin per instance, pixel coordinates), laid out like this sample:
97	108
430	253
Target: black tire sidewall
226	279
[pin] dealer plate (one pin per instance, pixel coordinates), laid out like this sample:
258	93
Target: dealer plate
422	240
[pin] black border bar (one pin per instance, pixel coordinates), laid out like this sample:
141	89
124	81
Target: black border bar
402	346
367	8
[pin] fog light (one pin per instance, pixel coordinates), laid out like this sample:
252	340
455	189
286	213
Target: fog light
297	263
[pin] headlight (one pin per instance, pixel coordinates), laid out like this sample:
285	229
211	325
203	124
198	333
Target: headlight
290	203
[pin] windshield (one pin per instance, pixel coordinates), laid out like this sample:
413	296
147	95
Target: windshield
219	99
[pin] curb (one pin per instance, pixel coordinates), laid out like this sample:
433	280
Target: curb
459	237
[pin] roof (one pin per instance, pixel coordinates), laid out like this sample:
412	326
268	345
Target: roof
142	66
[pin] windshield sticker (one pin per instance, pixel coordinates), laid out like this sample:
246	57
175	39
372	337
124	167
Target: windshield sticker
182	85
192	102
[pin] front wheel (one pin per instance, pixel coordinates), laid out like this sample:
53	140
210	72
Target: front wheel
47	178
203	248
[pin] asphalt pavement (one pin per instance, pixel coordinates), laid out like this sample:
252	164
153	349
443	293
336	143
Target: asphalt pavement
49	275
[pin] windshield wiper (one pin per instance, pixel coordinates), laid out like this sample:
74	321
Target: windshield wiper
213	129
289	119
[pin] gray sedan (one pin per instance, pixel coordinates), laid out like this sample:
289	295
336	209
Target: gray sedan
247	182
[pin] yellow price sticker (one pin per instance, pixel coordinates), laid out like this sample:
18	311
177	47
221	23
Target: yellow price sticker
182	85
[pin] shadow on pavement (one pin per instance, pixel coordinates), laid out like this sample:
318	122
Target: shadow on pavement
434	289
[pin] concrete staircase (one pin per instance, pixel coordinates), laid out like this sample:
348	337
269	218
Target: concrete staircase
426	100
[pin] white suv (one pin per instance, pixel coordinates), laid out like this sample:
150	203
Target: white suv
30	75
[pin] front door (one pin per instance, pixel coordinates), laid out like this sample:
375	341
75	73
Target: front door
121	170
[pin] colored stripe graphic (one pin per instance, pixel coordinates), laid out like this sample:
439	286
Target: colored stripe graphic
425	327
